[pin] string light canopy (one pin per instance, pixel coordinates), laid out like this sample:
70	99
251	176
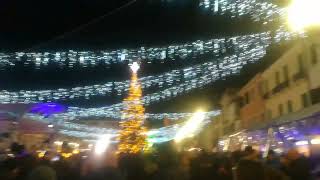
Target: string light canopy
215	47
260	11
246	44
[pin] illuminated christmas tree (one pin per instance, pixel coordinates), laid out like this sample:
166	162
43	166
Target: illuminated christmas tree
132	136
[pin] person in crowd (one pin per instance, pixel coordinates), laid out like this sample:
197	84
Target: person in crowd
298	166
163	164
250	170
251	154
273	160
42	173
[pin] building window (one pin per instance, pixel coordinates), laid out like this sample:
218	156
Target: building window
300	63
286	73
246	98
268	114
280	107
260	89
252	94
290	108
305	100
314	54
277	77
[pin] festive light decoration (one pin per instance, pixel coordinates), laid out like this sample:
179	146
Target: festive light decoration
257	10
210	73
240	45
190	50
230	65
244	50
82	131
303	14
132	136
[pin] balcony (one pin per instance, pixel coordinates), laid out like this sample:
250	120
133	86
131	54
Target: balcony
280	87
299	75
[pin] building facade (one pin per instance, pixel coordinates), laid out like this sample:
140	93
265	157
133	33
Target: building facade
252	108
288	89
287	83
315	71
230	114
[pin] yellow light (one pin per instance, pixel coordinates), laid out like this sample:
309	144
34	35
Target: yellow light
66	155
132	137
41	154
303	14
58	143
76	151
190	127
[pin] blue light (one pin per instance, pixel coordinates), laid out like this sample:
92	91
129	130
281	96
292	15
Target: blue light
47	109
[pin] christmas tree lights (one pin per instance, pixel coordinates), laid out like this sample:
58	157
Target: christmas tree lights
132	136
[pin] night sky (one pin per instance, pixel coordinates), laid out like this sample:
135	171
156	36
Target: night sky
39	25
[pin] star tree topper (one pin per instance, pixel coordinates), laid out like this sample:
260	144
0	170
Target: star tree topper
134	67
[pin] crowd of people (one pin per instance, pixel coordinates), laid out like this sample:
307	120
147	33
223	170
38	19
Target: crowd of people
163	164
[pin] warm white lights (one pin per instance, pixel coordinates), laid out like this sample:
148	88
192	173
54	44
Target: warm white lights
301	143
58	143
102	144
303	14
315	141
